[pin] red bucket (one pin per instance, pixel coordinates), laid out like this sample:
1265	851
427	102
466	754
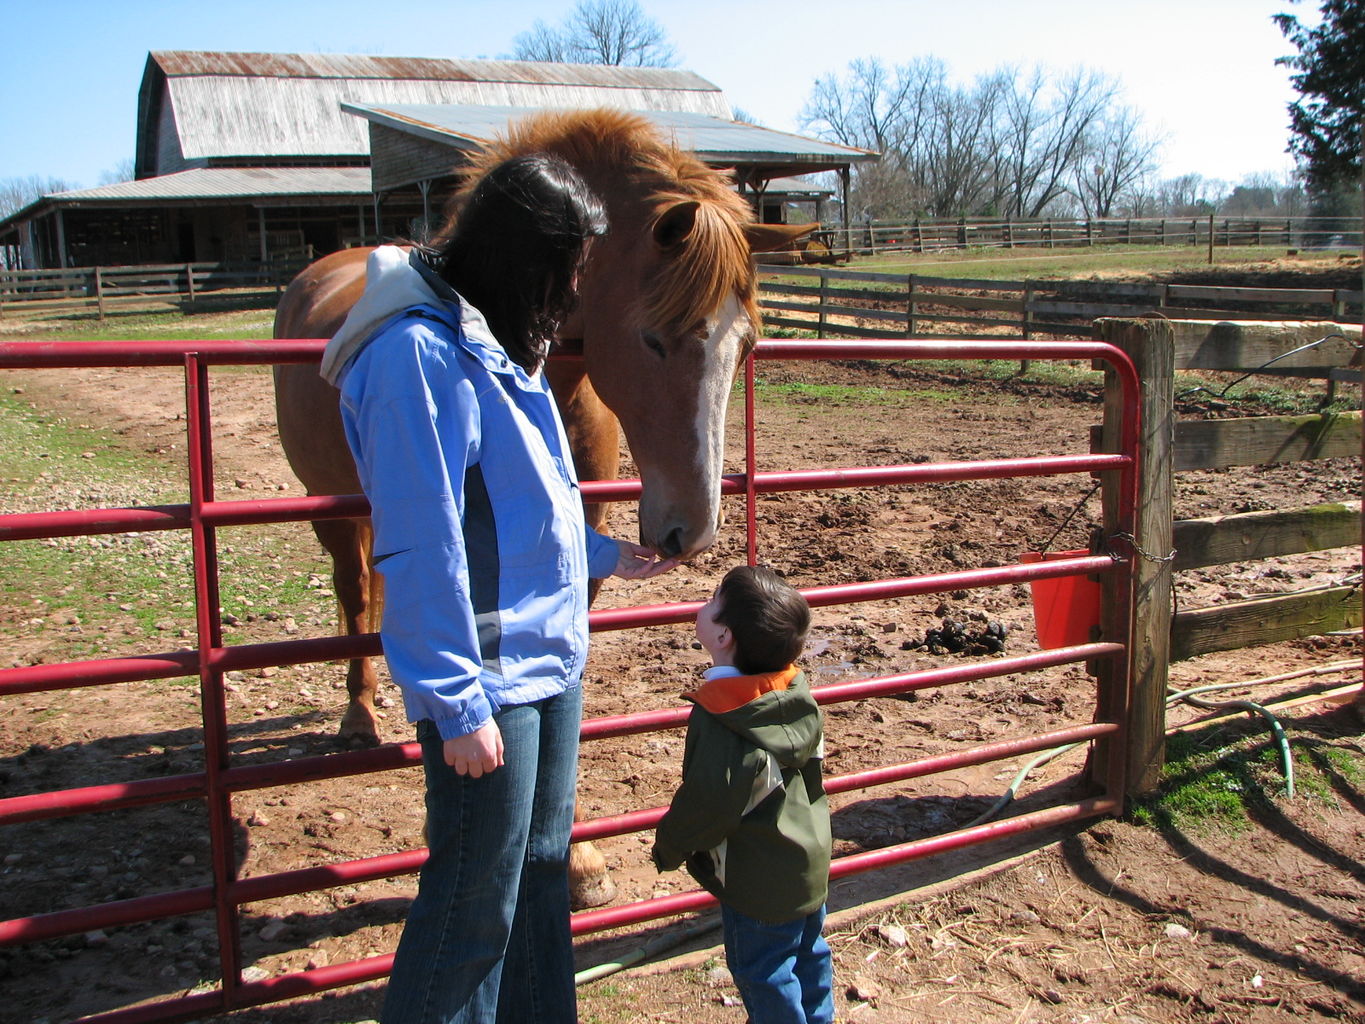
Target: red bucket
1066	609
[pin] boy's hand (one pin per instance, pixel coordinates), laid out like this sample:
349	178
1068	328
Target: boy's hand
635	562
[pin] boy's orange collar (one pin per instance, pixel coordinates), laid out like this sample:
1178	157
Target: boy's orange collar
730	692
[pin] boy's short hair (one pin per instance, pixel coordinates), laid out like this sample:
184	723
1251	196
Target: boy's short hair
767	616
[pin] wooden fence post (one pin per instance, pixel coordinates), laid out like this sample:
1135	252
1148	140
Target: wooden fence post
824	304
910	310
1150	344
1210	239
99	292
189	280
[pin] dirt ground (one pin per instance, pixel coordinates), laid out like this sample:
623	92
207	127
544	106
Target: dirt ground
1108	923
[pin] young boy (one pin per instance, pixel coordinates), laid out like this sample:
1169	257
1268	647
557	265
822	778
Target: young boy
750	818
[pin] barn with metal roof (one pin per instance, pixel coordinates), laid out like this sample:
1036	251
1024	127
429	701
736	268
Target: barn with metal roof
252	156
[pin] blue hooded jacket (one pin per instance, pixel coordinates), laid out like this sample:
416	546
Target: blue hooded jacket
478	517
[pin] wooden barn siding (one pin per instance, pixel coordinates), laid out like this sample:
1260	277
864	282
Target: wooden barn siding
401	159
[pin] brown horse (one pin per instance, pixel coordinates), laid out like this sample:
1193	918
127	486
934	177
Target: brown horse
667	308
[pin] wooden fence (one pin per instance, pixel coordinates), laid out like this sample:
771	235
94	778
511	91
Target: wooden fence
1159	347
934	234
865	304
104	287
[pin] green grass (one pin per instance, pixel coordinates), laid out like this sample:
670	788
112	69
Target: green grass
34	442
1210	783
1135	261
168	325
802	393
67	589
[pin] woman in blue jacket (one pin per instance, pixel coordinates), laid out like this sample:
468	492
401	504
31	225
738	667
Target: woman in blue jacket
480	536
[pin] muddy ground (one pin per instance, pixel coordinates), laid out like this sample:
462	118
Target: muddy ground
1110	923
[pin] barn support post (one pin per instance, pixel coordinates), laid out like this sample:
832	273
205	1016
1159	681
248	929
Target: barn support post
1151	346
424	186
844	215
63	260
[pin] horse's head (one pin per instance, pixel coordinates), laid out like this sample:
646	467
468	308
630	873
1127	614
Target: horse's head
667	306
667	312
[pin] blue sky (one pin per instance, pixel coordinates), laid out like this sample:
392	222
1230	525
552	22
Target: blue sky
1201	72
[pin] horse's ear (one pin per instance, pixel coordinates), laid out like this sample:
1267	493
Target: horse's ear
675	224
772	237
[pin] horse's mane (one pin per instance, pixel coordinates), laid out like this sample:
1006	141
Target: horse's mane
712	263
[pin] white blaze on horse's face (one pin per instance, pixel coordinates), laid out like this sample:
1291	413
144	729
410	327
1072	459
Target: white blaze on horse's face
726	334
680	506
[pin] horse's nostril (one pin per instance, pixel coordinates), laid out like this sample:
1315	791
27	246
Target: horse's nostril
672	543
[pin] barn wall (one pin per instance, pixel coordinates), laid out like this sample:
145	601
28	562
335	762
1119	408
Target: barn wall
399	159
169	158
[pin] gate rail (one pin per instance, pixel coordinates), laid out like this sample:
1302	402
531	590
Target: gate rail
210	660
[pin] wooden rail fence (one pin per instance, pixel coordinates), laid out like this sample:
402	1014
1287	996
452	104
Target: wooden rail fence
863	304
1160	347
105	287
934	234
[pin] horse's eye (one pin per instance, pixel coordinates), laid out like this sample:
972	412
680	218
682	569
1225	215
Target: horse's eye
653	343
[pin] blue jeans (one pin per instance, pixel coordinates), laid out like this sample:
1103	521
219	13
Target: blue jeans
493	898
784	972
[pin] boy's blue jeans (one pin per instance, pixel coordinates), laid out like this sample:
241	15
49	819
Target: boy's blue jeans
493	899
784	972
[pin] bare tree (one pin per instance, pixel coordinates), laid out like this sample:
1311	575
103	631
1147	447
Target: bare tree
1189	195
611	32
1116	157
120	172
542	43
16	193
1006	143
1045	131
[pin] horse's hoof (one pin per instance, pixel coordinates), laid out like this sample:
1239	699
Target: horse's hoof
358	737
596	891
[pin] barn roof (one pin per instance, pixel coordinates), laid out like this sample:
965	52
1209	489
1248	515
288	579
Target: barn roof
213	186
198	107
230	183
718	141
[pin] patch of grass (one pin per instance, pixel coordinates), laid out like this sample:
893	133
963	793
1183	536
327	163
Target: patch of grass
801	393
1210	782
1132	262
37	445
252	321
1057	372
86	596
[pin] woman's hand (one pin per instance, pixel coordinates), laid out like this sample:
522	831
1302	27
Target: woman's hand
634	562
477	753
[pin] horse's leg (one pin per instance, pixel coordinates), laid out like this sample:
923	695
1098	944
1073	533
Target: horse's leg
593	434
347	541
589	883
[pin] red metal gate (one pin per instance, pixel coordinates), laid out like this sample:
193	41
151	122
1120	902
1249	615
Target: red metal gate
210	659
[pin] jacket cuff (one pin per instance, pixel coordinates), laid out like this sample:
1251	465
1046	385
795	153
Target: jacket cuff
603	554
662	861
477	711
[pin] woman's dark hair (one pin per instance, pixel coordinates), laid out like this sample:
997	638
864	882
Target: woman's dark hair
767	616
517	248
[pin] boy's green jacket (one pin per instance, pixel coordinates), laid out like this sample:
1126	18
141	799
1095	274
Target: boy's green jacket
751	818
